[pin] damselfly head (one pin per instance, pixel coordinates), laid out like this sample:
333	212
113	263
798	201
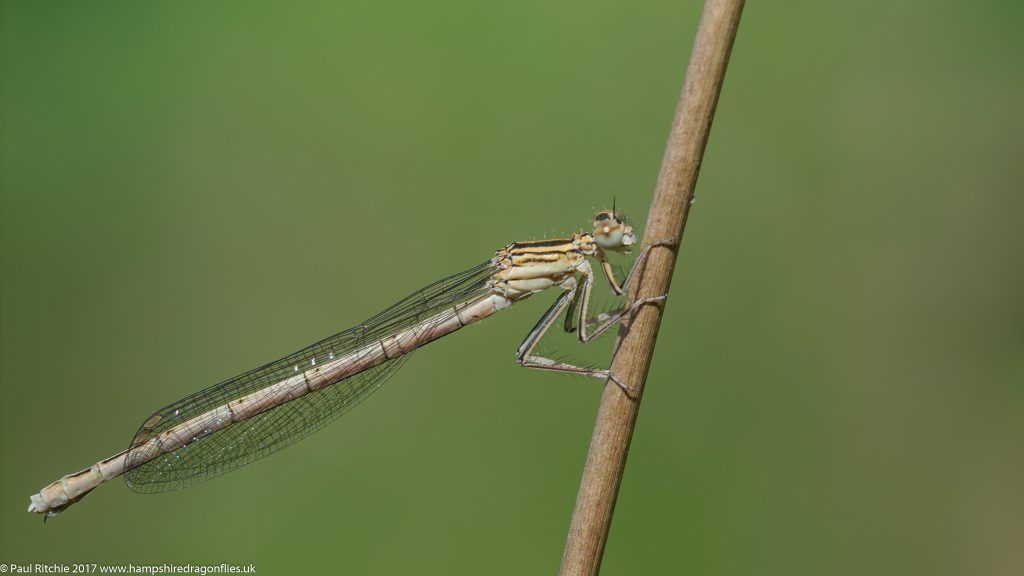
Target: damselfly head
613	233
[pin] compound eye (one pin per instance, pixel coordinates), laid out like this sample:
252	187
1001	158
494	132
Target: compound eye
602	216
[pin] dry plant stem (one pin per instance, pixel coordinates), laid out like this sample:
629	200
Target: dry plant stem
617	415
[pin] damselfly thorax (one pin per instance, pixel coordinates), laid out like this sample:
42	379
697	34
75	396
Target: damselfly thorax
529	267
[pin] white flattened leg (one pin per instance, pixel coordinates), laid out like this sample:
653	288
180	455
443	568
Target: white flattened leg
576	303
606	266
525	355
608	319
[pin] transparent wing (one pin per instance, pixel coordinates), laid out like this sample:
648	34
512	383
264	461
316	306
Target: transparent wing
235	445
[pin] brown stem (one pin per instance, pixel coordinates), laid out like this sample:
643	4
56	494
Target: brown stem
617	415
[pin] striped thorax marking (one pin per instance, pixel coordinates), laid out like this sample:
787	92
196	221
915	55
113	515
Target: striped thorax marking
528	267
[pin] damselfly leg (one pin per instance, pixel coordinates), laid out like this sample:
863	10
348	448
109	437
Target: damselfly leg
641	258
576	303
606	320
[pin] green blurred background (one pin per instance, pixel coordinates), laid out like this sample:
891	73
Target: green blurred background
190	189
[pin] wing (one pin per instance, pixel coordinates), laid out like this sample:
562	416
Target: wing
237	444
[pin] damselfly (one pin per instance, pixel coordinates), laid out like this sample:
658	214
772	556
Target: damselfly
240	420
